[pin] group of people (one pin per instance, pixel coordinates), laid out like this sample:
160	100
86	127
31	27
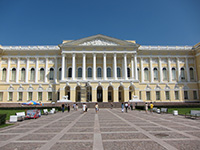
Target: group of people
127	106
146	107
63	107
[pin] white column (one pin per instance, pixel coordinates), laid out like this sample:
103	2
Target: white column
94	67
73	66
151	70
8	71
55	70
84	66
27	69
178	68
169	70
135	64
104	67
18	68
125	67
160	70
142	70
132	68
46	69
63	67
187	69
36	70
115	66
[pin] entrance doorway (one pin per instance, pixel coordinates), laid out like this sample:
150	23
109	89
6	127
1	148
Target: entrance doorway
110	94
121	94
89	93
99	94
78	94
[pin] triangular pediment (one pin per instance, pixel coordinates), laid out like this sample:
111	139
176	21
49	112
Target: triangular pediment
98	40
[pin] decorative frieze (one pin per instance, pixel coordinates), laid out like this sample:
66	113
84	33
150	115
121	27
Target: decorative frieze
99	42
4	61
32	61
155	61
42	61
13	61
164	60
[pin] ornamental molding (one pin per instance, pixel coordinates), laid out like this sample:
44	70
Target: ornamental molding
162	48
99	42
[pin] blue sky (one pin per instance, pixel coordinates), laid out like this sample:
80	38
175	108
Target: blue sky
149	22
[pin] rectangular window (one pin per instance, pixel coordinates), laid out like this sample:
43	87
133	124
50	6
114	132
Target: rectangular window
39	96
157	95
20	95
140	95
167	95
49	96
10	98
58	95
148	96
176	95
185	94
195	94
30	96
1	96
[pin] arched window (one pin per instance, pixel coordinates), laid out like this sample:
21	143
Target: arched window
182	74
164	74
13	74
59	73
191	74
23	74
108	72
79	72
89	72
51	74
4	74
99	72
70	72
146	74
155	73
32	74
118	72
173	74
42	74
128	72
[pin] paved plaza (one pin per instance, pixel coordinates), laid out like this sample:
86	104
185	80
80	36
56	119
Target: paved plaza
109	130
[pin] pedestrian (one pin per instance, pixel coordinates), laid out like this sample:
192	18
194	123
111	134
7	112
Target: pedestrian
122	107
63	107
131	105
76	107
151	107
126	107
96	107
111	105
146	107
84	107
68	107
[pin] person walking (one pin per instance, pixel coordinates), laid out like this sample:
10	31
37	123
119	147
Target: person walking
126	107
122	107
68	107
146	107
63	107
111	105
96	107
131	105
151	107
84	107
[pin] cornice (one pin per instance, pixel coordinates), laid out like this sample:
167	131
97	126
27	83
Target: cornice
163	48
37	48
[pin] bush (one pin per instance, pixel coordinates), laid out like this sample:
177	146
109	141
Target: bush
2	119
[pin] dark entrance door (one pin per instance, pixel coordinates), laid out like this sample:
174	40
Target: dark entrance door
99	95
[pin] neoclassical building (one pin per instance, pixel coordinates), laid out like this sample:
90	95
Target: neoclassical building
99	69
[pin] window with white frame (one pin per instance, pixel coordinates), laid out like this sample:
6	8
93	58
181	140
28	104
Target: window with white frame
191	74
50	96
23	71
128	72
58	95
10	96
51	74
182	74
173	74
32	78
70	72
155	73
167	95
59	73
39	96
146	74
176	95
20	96
1	96
157	95
118	72
30	96
108	72
79	72
185	94
195	94
164	74
4	72
42	74
148	95
99	72
89	72
13	74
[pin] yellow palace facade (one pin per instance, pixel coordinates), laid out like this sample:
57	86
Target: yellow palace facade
99	69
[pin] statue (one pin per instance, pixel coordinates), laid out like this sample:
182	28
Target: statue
64	99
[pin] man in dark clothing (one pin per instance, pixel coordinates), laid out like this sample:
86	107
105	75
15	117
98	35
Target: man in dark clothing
68	108
63	107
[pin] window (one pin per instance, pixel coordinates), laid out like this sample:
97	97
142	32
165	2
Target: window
23	74
58	95
59	73
32	74
185	94
108	72
140	95
89	72
20	96
4	74
51	74
164	74
157	95
182	74
1	96
49	96
42	74
39	96
148	96
79	72
167	95
155	73
10	98
138	73
118	72
30	96
128	72
195	94
109	96
173	74
191	74
98	72
146	74
70	72
176	95
13	74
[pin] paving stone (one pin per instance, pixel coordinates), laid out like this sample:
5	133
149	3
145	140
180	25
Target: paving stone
22	146
74	129
4	137
168	135
185	144
117	129
15	131
37	137
77	137
155	129
106	136
49	130
197	134
185	128
73	146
